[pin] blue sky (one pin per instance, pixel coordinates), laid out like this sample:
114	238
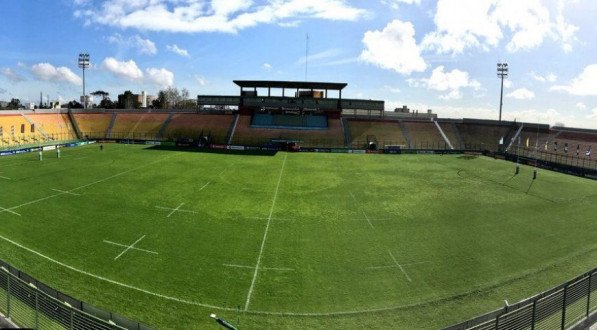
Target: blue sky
420	53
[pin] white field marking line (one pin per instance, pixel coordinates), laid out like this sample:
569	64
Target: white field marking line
84	186
205	185
269	219
260	218
65	192
195	303
179	210
400	266
368	221
283	269
362	211
129	247
393	266
133	248
5	177
124	285
174	210
9	210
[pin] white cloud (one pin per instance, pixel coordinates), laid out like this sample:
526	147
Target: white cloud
267	67
290	24
395	4
143	46
392	89
507	83
319	56
123	69
593	115
547	78
177	50
160	77
394	48
581	106
482	24
48	72
11	75
228	16
585	84
200	80
450	81
521	94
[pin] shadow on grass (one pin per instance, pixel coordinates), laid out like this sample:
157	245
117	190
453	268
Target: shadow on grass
215	151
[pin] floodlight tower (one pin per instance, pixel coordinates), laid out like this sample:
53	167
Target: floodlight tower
84	64
502	72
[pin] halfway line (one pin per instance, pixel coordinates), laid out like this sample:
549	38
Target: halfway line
269	219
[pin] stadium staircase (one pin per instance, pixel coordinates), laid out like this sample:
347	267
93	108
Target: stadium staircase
346	132
441	132
111	126
232	129
38	128
516	135
406	134
74	124
160	133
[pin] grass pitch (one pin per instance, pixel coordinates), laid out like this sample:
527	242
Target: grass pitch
300	240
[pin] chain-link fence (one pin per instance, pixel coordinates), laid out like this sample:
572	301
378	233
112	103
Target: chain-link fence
31	304
569	305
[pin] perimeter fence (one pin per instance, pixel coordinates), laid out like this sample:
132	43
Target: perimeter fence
572	305
31	304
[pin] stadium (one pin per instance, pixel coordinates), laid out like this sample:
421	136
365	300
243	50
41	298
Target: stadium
289	206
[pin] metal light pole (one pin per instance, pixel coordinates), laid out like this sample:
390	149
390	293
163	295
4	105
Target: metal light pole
502	72
84	64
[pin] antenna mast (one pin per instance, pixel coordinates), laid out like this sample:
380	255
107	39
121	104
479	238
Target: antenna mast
307	57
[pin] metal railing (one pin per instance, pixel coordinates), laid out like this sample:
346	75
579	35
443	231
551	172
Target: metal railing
31	304
566	306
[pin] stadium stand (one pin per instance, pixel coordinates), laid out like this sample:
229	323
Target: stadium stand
137	125
193	125
56	127
385	132
482	135
15	130
452	134
425	135
262	120
93	125
330	137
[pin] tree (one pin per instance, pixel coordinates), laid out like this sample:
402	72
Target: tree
128	100
101	93
14	104
107	104
75	105
171	97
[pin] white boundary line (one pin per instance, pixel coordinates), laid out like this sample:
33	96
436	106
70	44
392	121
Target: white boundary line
205	185
174	210
5	177
269	220
65	192
129	247
133	248
8	210
283	269
400	266
362	211
368	221
170	209
256	312
84	186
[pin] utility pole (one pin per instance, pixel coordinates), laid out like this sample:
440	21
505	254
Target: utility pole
84	64
502	72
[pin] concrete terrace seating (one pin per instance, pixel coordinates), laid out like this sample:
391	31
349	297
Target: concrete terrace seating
193	125
16	131
385	132
137	125
57	126
289	121
425	135
93	125
452	134
247	135
482	136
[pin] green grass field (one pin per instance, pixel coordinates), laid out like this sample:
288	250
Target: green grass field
299	240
